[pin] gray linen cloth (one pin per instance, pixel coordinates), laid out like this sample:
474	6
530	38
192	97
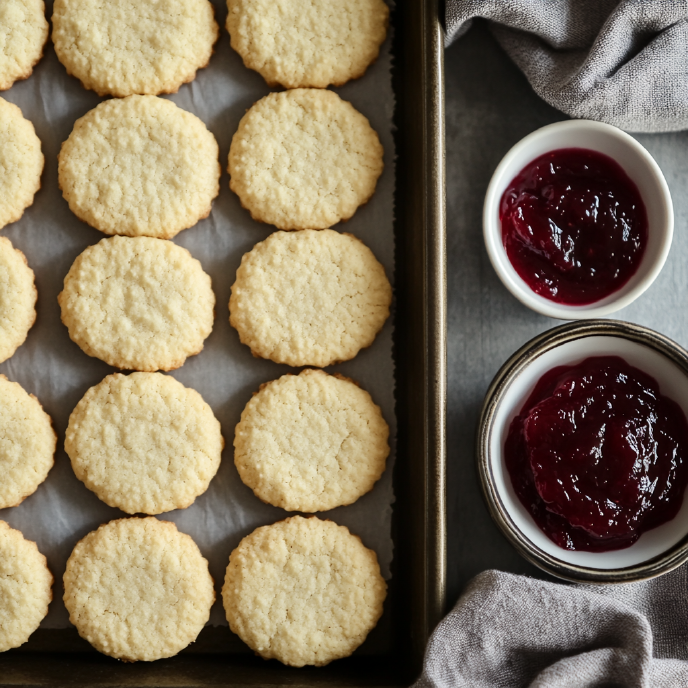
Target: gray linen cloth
624	63
510	631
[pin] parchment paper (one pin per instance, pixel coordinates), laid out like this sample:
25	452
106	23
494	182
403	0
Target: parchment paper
53	368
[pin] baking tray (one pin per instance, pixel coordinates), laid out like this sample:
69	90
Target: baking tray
416	597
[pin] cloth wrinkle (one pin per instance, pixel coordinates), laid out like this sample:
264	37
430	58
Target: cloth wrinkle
509	631
623	62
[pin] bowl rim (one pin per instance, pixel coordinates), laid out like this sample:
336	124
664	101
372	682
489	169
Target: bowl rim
492	229
517	362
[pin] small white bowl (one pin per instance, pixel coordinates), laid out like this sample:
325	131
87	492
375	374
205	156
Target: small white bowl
658	550
638	165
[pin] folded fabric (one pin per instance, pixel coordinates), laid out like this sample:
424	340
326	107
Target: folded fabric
510	631
625	63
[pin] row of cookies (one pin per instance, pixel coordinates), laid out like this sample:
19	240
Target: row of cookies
145	443
130	47
303	298
139	590
138	303
141	166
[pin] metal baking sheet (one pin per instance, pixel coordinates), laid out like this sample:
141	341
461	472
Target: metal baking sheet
417	584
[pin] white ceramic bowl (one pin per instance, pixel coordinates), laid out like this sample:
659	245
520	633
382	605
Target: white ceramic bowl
638	165
658	550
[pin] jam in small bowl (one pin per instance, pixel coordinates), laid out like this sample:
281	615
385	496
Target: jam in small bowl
578	220
583	452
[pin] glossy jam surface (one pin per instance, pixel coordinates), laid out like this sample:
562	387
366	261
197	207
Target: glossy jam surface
574	226
597	455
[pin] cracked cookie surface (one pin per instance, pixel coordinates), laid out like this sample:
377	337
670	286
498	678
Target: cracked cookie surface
21	163
25	587
303	591
23	33
313	44
140	166
138	303
309	298
144	443
311	442
27	443
137	589
127	47
17	299
304	159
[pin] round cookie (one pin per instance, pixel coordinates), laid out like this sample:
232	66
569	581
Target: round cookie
25	588
309	298
127	47
23	33
311	442
140	166
137	589
21	163
138	303
314	44
144	443
303	591
304	159
17	299
27	443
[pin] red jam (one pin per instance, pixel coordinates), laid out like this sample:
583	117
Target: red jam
574	226
597	455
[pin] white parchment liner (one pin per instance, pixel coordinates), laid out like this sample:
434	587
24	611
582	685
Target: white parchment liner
53	368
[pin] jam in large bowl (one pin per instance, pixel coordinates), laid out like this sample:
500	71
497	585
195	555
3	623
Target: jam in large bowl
583	452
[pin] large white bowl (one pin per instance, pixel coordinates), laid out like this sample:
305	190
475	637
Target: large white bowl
638	165
658	550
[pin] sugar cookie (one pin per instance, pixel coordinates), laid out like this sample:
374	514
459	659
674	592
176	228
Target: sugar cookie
25	587
313	44
27	443
21	163
311	442
138	589
23	33
304	159
303	591
127	47
17	299
309	298
140	166
144	443
138	303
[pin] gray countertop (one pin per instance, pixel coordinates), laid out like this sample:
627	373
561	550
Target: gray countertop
489	107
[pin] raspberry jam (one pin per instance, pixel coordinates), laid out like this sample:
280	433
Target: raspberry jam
597	455
574	226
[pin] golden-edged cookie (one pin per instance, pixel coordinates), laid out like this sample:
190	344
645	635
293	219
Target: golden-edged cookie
311	442
23	33
25	587
140	166
137	589
309	298
303	591
27	443
307	44
304	159
138	303
17	299
132	46
21	163
144	443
